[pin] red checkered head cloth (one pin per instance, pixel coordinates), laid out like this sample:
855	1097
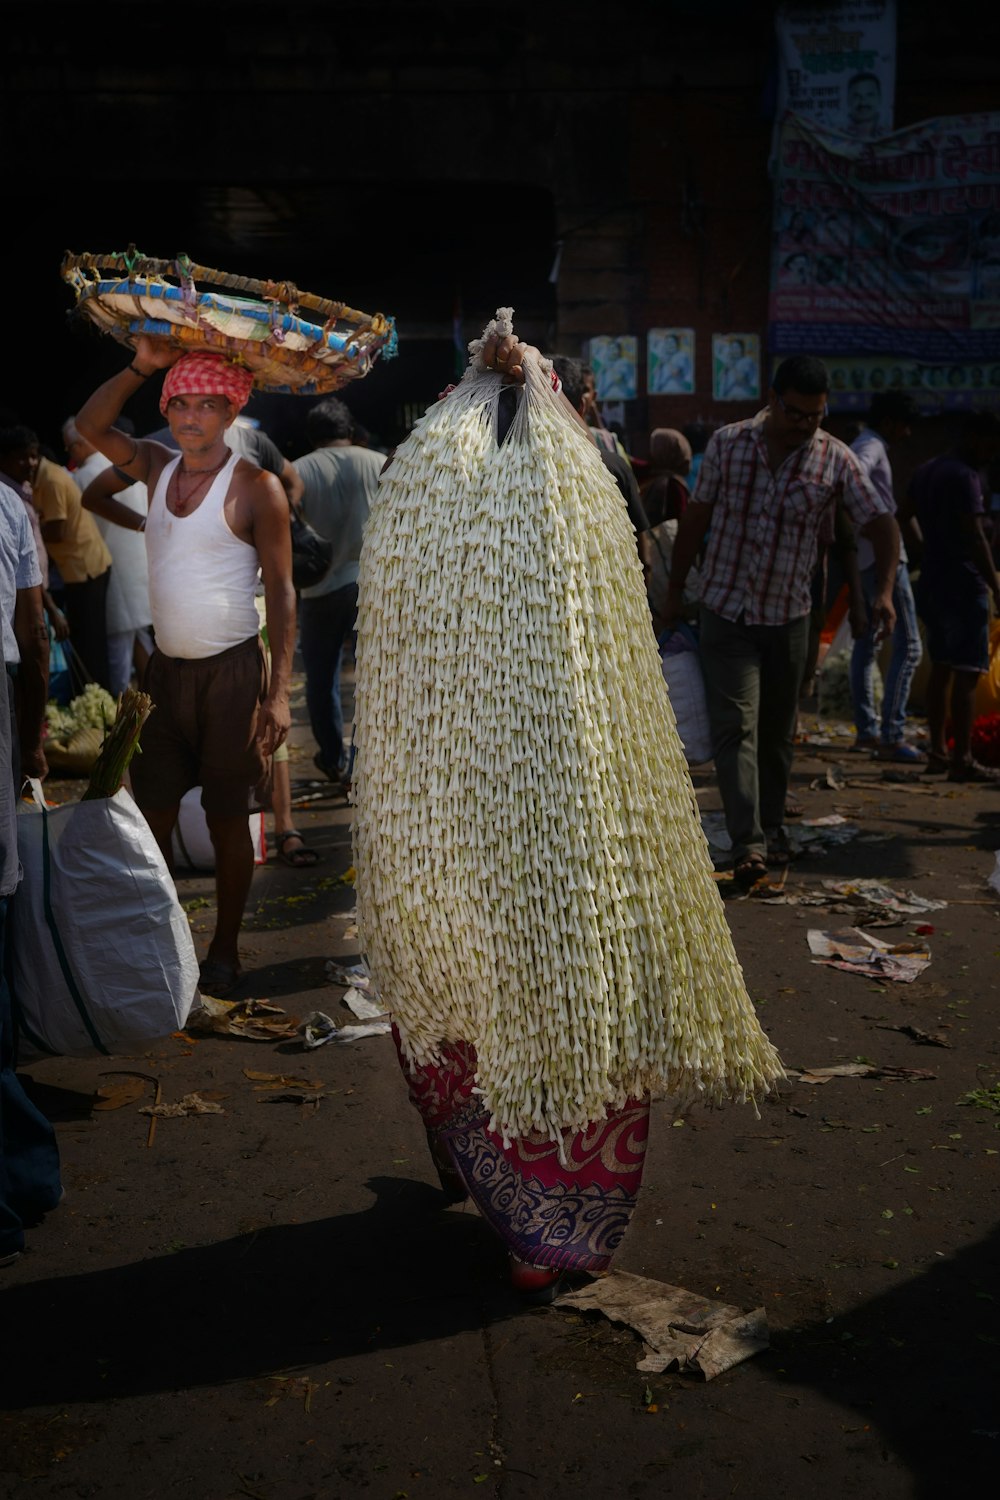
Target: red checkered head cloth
207	375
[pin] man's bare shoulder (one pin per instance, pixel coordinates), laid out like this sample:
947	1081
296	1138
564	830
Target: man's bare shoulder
257	486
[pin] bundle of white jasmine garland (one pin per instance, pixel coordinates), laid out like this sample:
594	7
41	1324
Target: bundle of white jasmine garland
532	875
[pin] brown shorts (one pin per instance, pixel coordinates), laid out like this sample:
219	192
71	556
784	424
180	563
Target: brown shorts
201	731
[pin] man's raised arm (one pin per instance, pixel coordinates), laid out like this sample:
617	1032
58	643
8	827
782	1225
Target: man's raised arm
96	417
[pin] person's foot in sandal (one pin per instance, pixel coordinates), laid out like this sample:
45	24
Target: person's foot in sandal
779	850
749	870
292	850
937	763
218	979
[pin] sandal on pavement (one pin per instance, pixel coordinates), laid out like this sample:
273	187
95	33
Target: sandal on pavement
296	859
218	979
793	807
749	870
778	849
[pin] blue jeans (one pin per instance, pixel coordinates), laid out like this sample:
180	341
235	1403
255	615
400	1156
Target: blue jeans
324	625
29	1158
907	651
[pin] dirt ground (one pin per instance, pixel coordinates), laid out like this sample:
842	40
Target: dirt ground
272	1303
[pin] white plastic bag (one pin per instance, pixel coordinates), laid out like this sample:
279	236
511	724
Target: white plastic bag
192	842
102	956
682	673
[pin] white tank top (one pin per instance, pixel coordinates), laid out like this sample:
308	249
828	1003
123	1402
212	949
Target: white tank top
201	576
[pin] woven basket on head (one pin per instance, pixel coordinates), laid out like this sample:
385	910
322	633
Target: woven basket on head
256	323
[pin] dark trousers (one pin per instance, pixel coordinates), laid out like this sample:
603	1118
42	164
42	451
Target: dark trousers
29	1158
753	674
324	625
87	613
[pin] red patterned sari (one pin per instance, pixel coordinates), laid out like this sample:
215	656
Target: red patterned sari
568	1217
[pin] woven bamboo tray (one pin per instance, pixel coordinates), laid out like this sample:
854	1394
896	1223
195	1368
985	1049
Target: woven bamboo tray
257	323
77	758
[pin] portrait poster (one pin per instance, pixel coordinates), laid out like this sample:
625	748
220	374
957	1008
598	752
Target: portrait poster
837	65
670	362
615	366
889	252
736	366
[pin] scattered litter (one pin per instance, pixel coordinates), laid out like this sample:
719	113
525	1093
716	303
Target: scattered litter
364	1008
318	1029
871	903
925	1038
678	1328
860	952
902	781
872	893
264	1082
351	976
303	1097
816	1076
118	1095
256	1020
994	880
298	1387
191	1104
834	781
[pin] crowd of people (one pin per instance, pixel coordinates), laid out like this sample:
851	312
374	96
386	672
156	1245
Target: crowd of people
146	559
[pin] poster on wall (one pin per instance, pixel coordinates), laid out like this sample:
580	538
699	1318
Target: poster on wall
889	251
837	65
615	366
670	362
736	366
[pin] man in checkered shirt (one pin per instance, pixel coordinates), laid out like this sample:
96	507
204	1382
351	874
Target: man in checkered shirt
764	489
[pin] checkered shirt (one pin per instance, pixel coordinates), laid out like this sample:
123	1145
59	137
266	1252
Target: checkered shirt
766	528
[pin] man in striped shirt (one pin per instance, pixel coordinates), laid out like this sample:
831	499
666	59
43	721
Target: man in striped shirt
764	489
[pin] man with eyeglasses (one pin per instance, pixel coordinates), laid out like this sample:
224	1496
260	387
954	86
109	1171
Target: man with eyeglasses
765	487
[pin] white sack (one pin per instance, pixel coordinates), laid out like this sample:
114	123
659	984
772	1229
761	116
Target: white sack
682	674
192	842
103	959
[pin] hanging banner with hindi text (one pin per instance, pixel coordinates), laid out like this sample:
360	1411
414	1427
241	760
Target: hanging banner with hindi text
890	250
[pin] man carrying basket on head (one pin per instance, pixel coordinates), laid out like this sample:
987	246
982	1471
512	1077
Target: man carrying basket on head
214	519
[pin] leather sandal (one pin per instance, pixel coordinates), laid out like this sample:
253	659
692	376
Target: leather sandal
749	870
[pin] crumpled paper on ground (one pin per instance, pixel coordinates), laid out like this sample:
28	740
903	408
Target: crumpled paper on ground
363	1007
256	1020
870	902
191	1104
869	893
816	1076
677	1327
860	952
319	1028
351	976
